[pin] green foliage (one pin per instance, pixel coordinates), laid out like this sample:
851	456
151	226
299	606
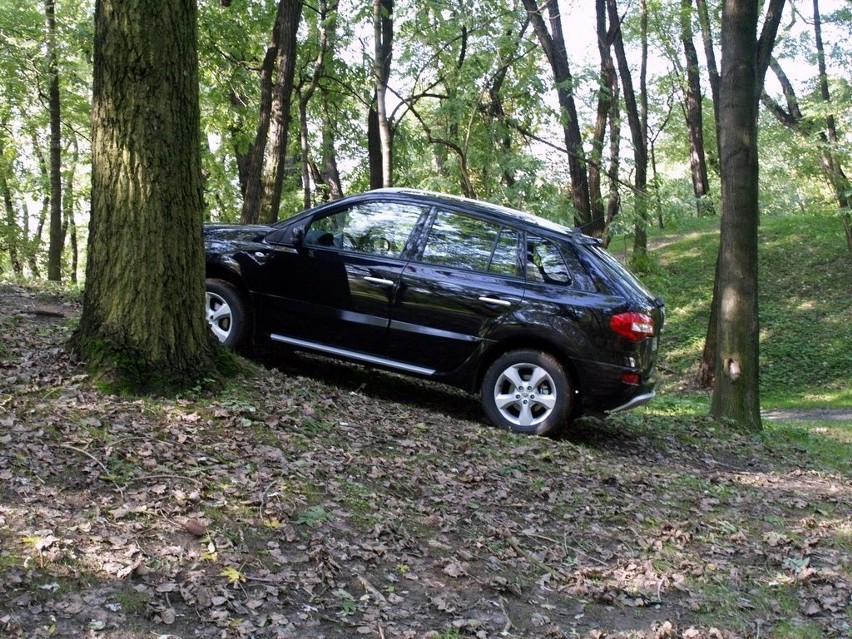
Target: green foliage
314	516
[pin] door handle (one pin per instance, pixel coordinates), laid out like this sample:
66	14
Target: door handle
378	280
492	300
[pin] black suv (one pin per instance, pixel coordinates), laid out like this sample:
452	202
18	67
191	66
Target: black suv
537	318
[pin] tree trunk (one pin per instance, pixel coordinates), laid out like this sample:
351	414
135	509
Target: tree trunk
637	119
694	115
54	253
12	234
142	327
275	164
69	227
327	26
710	55
374	146
736	394
266	165
331	174
837	176
607	92
763	55
706	376
383	47
553	44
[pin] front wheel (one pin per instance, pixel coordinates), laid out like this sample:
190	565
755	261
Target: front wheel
226	313
528	392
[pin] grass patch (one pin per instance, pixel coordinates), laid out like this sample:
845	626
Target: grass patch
805	277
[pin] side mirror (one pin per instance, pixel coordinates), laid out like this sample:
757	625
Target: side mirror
298	236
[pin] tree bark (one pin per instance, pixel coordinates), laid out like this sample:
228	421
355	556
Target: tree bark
836	174
69	227
763	56
142	327
607	92
11	235
307	91
330	173
710	56
374	146
54	253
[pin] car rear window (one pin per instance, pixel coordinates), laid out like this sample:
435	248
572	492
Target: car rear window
609	273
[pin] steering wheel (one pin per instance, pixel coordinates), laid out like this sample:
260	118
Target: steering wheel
348	242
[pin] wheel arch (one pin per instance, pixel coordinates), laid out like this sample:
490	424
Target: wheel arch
539	343
222	272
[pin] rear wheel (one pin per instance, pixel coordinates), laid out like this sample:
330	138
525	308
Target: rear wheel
226	313
528	392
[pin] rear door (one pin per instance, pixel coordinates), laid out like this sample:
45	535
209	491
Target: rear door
465	281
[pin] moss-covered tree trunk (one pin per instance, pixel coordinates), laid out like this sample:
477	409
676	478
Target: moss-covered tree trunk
142	325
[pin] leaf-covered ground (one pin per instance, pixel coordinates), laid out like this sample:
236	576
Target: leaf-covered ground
321	500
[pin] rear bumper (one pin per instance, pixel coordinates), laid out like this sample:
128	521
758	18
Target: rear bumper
633	403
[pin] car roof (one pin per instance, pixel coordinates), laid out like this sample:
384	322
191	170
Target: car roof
503	212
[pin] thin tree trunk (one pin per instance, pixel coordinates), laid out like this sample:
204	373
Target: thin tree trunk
265	165
327	27
597	224
276	152
837	176
710	56
496	113
331	174
553	43
694	115
637	119
54	254
383	50
374	146
12	231
69	227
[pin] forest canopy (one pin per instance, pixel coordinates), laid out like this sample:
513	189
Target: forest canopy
475	98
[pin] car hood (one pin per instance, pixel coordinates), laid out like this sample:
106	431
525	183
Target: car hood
236	232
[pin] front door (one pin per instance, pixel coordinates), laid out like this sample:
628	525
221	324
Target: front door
334	291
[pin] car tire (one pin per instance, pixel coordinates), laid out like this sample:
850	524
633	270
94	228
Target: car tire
227	313
528	392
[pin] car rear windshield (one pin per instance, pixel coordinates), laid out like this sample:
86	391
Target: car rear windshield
614	274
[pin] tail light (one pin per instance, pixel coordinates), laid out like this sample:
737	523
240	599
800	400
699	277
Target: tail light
631	379
633	326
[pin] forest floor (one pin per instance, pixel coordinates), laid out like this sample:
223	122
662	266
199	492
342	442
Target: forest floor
314	499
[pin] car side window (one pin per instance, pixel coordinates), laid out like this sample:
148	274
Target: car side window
545	263
466	242
377	228
504	260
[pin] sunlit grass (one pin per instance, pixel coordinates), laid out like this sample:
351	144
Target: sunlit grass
805	305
